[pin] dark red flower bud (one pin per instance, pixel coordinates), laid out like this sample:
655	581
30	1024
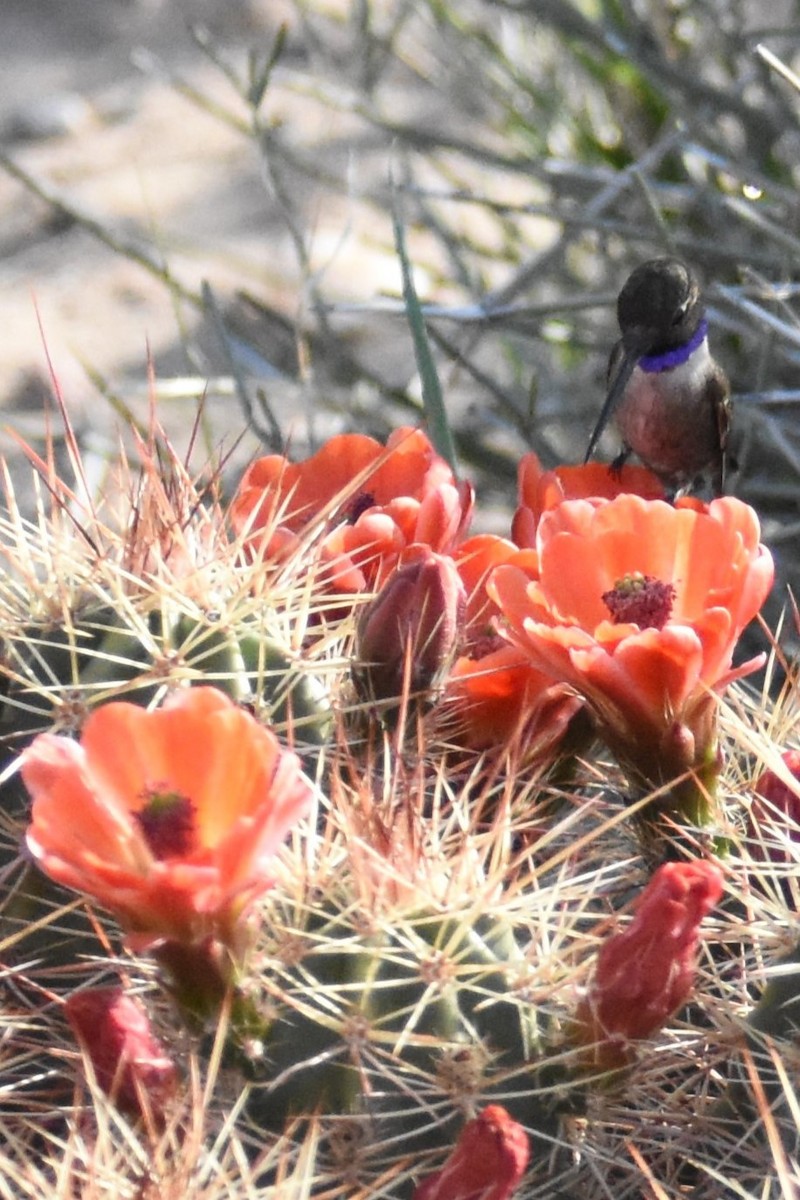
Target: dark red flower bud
645	972
129	1064
408	635
775	813
487	1163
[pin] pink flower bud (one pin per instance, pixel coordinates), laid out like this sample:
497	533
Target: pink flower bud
487	1163
128	1063
411	630
645	972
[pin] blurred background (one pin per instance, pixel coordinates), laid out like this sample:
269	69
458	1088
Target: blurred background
196	204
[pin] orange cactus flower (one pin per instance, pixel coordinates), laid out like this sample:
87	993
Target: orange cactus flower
646	972
500	699
371	501
169	818
538	490
639	605
488	1161
476	559
493	695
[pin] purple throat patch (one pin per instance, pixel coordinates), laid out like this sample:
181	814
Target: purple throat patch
653	363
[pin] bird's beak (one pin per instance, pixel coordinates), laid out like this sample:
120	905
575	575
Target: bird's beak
616	388
635	342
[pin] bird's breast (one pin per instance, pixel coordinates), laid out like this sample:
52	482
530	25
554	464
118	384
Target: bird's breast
668	418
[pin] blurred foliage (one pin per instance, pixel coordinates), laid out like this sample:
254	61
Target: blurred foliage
542	148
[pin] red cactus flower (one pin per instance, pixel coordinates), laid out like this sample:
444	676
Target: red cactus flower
500	699
488	1161
129	1064
645	972
476	559
539	490
169	818
639	605
370	501
493	696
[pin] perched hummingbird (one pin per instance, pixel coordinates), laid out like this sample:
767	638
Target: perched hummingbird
670	399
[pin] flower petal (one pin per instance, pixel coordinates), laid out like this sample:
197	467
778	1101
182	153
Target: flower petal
243	790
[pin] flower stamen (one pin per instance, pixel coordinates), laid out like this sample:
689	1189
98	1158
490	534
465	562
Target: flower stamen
642	600
167	820
358	505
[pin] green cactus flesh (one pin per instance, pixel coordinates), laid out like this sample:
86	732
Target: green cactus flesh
53	674
407	1026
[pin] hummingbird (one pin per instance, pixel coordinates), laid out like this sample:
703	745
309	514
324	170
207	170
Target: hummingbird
669	398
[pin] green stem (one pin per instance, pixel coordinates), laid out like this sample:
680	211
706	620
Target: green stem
680	772
198	977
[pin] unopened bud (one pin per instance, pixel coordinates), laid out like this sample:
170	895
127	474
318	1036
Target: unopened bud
129	1064
487	1163
407	636
774	819
645	972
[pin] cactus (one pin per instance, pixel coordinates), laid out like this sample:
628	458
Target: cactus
422	997
54	676
433	925
98	632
